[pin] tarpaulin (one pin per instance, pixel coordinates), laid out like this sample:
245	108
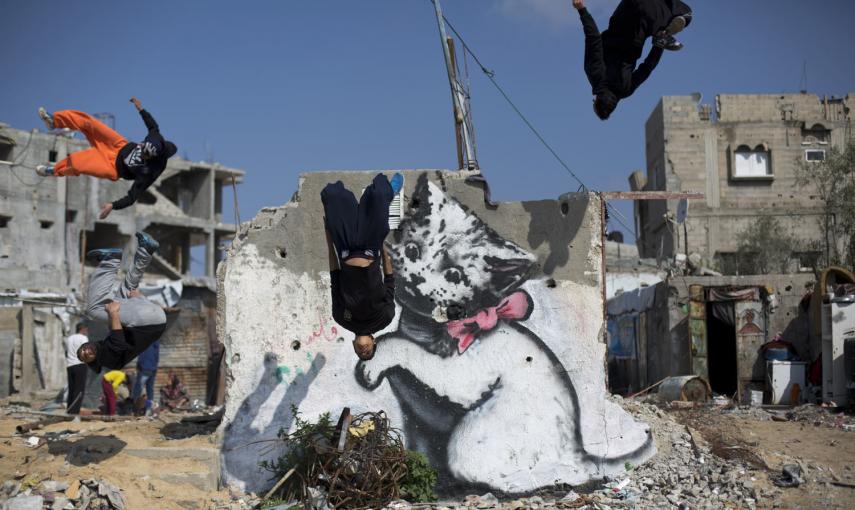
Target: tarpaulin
734	294
163	292
638	300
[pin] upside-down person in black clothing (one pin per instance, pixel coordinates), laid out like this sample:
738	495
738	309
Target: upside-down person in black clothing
610	57
111	155
363	296
135	322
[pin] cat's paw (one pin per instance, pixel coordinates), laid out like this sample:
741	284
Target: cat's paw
369	374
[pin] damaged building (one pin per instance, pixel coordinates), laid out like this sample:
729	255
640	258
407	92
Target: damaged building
744	159
48	224
710	315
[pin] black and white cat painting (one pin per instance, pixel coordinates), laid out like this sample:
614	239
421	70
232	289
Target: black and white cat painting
481	394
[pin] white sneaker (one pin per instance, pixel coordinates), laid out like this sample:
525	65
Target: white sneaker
45	170
677	25
46	117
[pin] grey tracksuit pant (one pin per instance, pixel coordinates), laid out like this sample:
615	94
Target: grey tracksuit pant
104	287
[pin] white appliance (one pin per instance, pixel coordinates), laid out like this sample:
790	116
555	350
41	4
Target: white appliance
781	379
838	325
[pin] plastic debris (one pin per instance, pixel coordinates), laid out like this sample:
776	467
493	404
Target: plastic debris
791	476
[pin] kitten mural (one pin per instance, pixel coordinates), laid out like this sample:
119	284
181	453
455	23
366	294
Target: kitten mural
463	363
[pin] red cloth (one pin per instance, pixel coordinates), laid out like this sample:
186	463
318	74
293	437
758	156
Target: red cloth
109	396
513	307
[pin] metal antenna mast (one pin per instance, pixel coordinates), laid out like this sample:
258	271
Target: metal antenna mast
462	115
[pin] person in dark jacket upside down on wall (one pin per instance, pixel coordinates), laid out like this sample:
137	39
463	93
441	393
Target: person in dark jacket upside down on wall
111	155
135	322
610	57
362	289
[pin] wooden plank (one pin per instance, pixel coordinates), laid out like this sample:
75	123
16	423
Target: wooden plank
651	195
28	355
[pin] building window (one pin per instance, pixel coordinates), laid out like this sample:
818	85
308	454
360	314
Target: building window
814	155
45	224
6	146
52	156
727	262
751	163
817	134
4	221
808	260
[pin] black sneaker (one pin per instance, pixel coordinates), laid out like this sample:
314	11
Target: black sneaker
667	42
147	242
103	254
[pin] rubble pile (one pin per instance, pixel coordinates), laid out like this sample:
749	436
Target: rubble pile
89	494
685	474
820	416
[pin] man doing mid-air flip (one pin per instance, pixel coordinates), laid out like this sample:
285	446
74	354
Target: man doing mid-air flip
135	322
610	57
111	155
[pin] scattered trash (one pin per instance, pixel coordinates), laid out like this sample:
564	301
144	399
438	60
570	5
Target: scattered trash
570	497
362	429
721	401
318	499
621	485
34	441
791	476
756	398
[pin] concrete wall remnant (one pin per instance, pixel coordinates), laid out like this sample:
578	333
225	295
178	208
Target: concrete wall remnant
512	408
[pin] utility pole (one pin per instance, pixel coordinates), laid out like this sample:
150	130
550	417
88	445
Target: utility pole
462	116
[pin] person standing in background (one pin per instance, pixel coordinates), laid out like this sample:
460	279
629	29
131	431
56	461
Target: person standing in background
146	374
75	368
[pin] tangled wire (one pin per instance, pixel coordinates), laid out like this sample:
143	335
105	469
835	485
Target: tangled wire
359	463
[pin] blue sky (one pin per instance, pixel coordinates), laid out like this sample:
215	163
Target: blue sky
280	88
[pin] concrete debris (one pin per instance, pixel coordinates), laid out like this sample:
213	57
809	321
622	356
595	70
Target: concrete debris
54	486
10	489
23	503
817	416
685	474
87	494
112	493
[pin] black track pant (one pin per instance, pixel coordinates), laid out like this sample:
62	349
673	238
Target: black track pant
76	385
359	226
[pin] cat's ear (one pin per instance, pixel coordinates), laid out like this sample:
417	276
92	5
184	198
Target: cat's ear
507	273
420	204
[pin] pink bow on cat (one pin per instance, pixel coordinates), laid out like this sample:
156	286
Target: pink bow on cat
513	307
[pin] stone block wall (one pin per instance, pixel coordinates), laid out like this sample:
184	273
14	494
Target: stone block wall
687	152
509	409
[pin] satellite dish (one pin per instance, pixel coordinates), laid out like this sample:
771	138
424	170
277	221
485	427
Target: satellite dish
682	210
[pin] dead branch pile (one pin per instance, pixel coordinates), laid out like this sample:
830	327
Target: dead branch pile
363	465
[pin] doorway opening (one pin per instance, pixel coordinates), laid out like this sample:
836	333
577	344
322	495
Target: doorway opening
721	348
